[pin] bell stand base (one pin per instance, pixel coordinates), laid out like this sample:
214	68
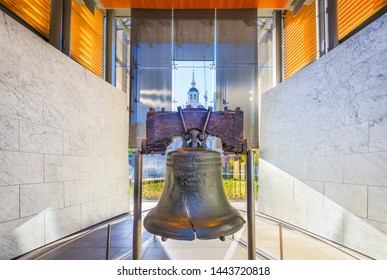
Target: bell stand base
137	207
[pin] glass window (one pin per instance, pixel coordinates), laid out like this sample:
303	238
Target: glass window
87	37
352	13
266	47
151	68
299	39
157	46
236	66
123	54
35	13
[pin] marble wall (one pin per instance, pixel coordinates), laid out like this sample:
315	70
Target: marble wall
324	145
63	144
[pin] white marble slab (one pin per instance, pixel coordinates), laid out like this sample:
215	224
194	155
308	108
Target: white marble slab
364	237
118	204
39	198
377	206
347	139
30	68
353	198
9	68
366	105
40	139
61	222
93	212
308	193
60	168
325	222
364	44
369	169
61	116
354	81
9	137
92	167
77	144
294	213
21	236
103	188
79	191
9	203
29	168
378	135
41	105
15	103
378	68
326	169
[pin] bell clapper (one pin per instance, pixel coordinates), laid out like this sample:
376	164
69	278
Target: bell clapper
163	238
222	238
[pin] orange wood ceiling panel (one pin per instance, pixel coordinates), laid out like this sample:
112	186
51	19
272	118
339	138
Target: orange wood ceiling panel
193	4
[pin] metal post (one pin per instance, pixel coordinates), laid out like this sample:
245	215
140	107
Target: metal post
110	74
137	211
60	25
281	243
331	11
327	33
277	16
108	241
56	21
66	27
251	247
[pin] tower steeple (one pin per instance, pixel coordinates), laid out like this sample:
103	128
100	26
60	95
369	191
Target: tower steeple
193	78
193	93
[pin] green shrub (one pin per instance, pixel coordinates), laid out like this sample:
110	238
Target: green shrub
234	189
152	189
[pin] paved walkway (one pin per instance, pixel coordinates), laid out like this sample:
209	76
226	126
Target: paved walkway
297	245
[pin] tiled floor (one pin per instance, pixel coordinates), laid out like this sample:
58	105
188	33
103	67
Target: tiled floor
297	245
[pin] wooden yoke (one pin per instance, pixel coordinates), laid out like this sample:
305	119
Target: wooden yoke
163	126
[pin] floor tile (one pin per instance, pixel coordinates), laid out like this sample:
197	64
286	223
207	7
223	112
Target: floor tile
297	245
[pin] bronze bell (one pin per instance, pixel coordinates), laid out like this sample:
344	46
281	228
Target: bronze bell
193	203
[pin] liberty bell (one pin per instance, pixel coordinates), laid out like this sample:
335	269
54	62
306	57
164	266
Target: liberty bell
193	203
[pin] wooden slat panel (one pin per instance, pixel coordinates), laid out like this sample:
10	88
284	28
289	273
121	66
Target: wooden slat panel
300	39
193	4
87	37
36	13
352	13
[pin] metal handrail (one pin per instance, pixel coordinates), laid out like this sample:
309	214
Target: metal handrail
83	234
240	241
261	253
282	224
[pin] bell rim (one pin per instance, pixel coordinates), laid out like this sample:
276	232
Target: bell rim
197	229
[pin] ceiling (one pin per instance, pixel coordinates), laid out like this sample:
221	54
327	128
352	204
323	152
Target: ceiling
193	4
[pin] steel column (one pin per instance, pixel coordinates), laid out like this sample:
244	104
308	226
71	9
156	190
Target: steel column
327	33
331	24
60	25
66	27
277	17
110	56
137	211
56	21
251	244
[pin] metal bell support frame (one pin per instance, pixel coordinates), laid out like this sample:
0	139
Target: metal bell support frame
193	203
